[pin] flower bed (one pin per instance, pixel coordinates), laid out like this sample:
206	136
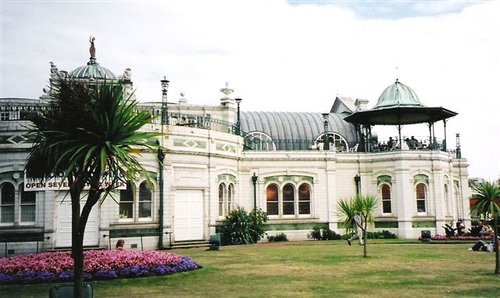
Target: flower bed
99	264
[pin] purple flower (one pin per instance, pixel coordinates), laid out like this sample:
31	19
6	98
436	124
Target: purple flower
99	264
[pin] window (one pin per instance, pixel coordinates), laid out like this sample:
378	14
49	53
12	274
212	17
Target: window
7	202
287	200
221	199
230	195
446	200
386	199
226	196
272	199
336	141
421	194
28	205
304	199
145	199
136	203
127	202
260	141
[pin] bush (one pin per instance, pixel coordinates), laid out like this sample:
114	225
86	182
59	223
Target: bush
323	233
279	237
241	227
381	235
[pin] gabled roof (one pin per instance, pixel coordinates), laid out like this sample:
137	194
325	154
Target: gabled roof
343	105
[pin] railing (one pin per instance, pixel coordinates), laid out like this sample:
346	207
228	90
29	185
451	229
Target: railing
20	111
419	143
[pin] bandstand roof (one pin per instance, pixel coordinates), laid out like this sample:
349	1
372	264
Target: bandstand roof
397	105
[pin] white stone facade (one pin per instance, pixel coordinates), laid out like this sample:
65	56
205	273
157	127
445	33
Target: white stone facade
208	170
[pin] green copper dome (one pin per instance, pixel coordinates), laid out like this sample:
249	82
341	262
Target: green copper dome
92	71
398	95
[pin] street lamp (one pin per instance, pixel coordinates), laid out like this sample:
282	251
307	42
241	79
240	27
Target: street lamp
238	119
357	181
326	142
254	180
164	108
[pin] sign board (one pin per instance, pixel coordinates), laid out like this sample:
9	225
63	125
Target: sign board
57	183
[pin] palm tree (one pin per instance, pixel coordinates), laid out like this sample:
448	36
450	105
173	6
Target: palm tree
87	135
358	212
487	196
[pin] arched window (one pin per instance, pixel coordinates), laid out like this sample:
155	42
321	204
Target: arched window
221	199
272	199
259	141
28	205
288	200
304	199
386	198
7	203
446	200
127	202
421	197
230	195
145	200
226	198
336	141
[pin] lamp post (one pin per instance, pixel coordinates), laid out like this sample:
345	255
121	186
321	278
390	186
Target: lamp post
326	142
164	107
254	180
161	158
238	119
357	181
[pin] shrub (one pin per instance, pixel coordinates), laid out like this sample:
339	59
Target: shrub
384	234
278	237
323	233
241	227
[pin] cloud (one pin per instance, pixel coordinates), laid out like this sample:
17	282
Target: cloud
278	56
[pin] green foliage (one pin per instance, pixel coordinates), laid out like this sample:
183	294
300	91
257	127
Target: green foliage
241	227
384	234
487	195
357	212
278	237
88	130
323	233
487	207
88	135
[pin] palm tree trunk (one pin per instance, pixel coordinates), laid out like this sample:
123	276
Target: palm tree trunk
495	245
76	245
365	250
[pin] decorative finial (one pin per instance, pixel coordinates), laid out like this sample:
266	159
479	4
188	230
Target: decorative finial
182	99
92	47
227	90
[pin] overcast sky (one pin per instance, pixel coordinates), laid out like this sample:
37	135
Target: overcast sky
278	55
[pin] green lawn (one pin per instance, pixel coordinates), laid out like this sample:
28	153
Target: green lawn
312	269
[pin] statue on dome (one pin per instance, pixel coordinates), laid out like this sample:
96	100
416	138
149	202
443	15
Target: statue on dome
92	47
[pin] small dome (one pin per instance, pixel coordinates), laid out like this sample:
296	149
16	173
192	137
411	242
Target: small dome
92	71
398	95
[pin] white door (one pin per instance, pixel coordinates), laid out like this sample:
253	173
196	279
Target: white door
188	215
63	234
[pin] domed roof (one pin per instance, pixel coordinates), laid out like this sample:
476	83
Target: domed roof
92	71
296	127
398	95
